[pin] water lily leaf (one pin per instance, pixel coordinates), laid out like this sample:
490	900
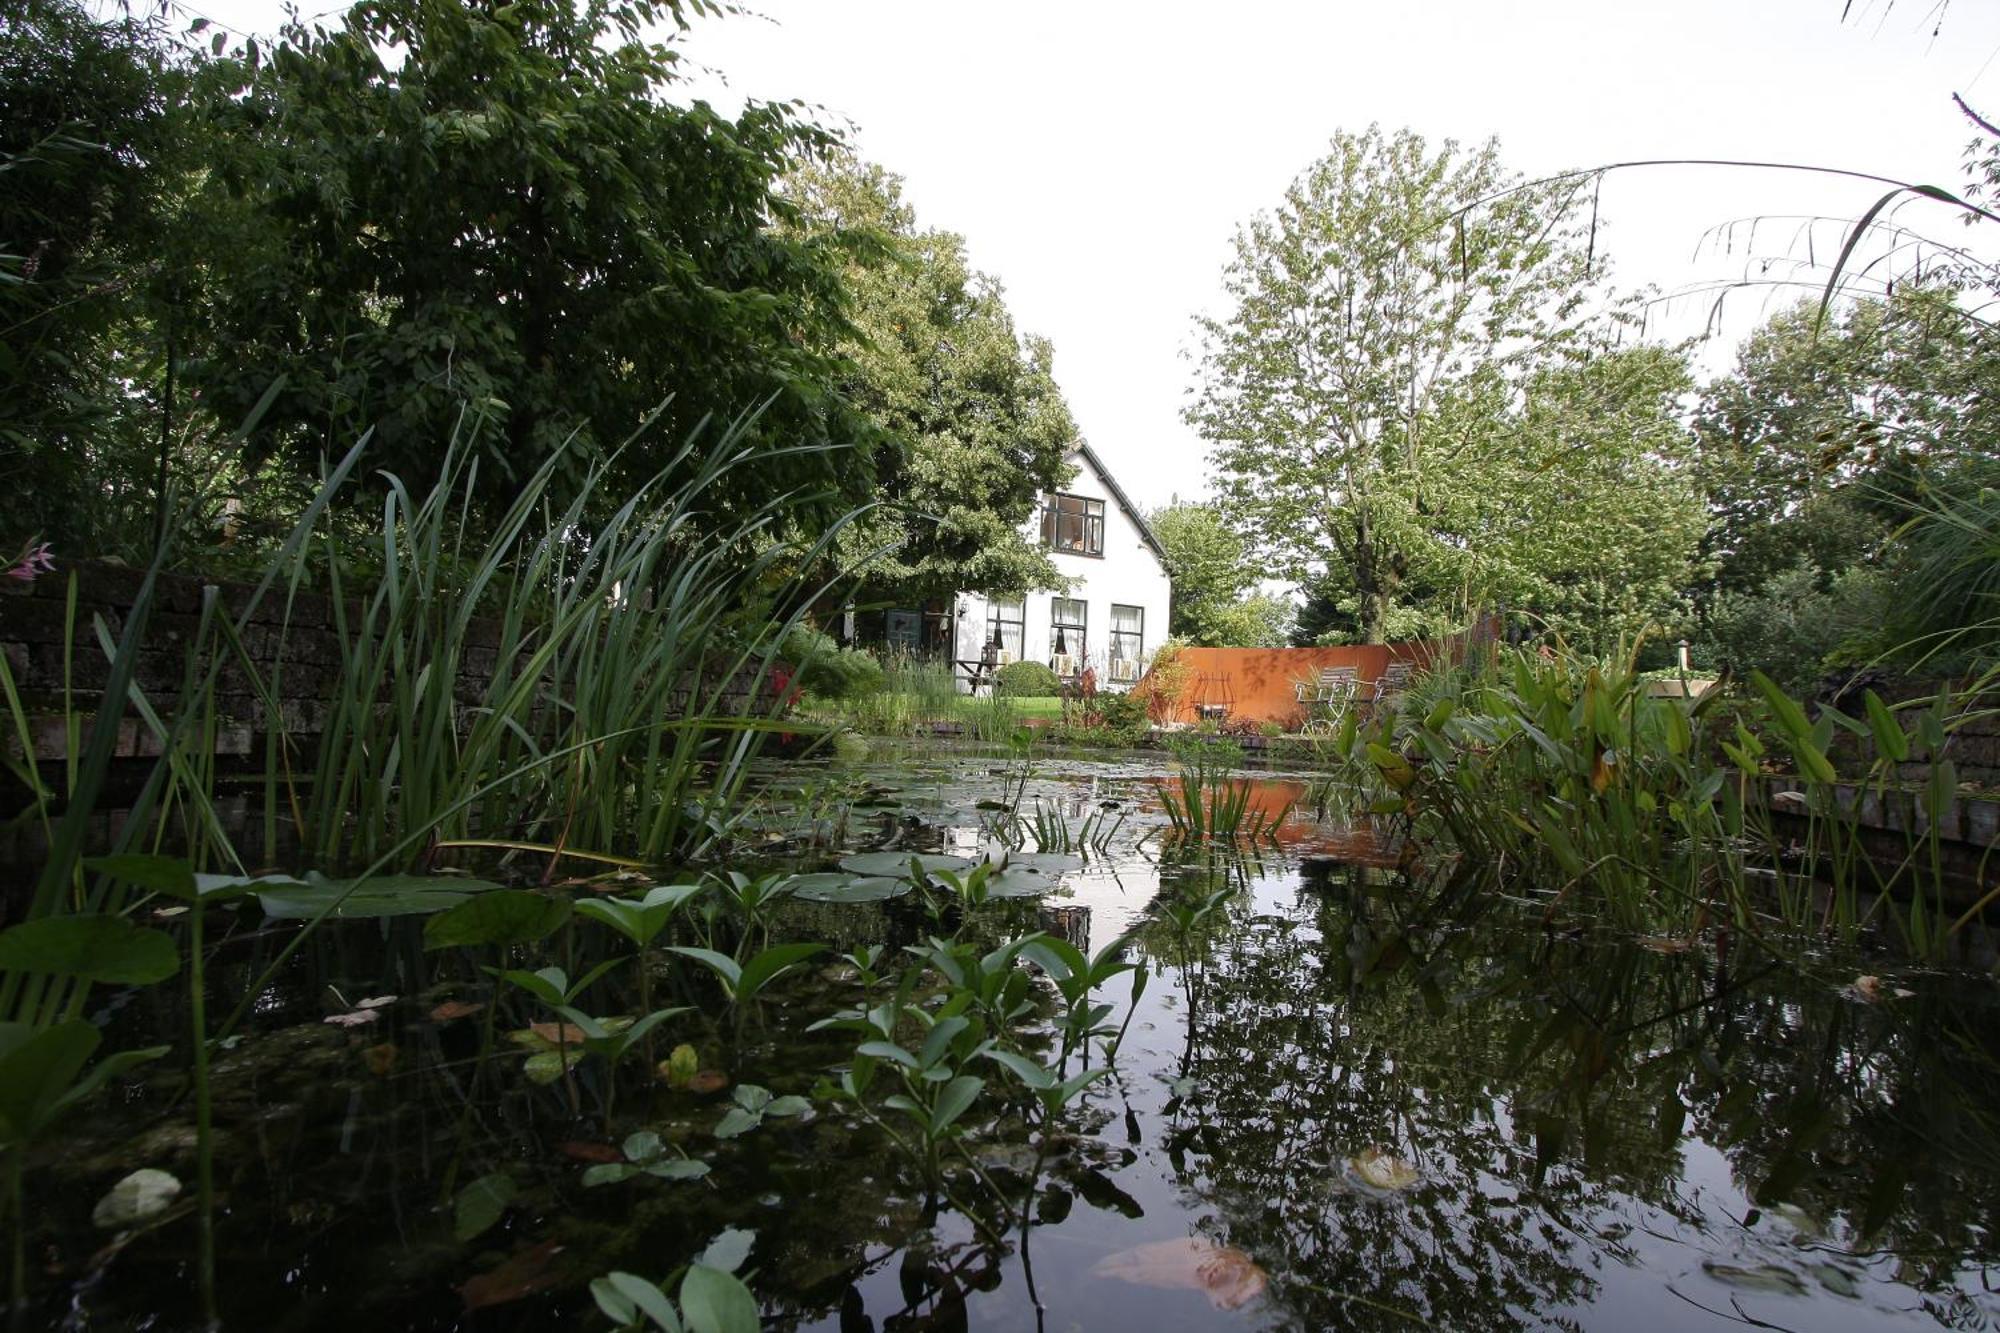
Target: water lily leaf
381	896
727	1252
480	1204
789	1106
736	1121
1224	1274
1384	1170
546	1067
1018	881
678	1168
581	1150
898	863
452	1010
609	1173
833	888
497	917
548	1036
521	1274
1757	1277
102	948
139	1197
1048	863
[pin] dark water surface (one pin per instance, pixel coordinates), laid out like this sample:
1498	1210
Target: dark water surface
1580	1130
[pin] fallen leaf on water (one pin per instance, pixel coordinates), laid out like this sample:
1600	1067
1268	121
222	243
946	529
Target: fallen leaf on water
1667	943
354	1020
452	1009
1758	1277
707	1081
521	1274
376	1002
563	1034
580	1151
1226	1275
1866	988
380	1059
1384	1170
143	1195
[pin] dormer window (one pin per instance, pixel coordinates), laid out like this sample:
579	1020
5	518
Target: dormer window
1073	524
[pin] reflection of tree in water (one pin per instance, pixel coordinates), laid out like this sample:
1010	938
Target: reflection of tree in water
1543	1087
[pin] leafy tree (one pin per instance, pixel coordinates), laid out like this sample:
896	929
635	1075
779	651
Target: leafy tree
980	426
1812	449
1380	316
493	208
1212	573
1585	512
84	126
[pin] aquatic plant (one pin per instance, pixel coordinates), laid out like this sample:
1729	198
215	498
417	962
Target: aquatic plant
1205	803
1648	810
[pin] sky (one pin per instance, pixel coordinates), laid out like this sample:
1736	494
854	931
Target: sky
1098	155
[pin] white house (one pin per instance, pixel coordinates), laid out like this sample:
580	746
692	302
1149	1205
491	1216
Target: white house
1113	615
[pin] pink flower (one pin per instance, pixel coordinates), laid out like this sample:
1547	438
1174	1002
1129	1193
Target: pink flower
34	561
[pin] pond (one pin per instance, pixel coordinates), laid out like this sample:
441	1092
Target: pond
1346	1098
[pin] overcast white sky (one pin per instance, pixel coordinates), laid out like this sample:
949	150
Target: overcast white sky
1098	155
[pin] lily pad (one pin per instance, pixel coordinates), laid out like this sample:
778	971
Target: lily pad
898	863
1018	881
139	1197
836	888
1047	863
379	896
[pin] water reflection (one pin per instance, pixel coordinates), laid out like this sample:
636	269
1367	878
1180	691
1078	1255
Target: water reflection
1404	1104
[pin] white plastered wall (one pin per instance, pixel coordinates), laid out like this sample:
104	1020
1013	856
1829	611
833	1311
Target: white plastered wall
1127	574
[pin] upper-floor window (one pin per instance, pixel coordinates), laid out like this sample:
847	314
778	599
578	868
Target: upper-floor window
1073	523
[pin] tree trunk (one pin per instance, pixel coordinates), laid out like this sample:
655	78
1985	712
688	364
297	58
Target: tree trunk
1370	580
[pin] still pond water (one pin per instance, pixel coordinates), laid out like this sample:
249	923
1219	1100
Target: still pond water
1346	1101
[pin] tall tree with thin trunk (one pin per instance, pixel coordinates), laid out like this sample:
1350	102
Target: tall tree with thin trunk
1396	298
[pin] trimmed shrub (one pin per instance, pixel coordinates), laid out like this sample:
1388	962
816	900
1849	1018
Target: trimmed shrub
825	669
1026	680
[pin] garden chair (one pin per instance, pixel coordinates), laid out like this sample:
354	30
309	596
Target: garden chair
1323	699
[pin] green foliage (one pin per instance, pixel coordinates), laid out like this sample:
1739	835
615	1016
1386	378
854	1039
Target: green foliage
1382	319
979	425
85	127
823	668
1800	625
1026	680
505	212
1812	448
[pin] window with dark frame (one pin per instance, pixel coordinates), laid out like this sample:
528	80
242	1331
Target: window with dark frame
1073	524
1068	634
1128	641
1006	623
